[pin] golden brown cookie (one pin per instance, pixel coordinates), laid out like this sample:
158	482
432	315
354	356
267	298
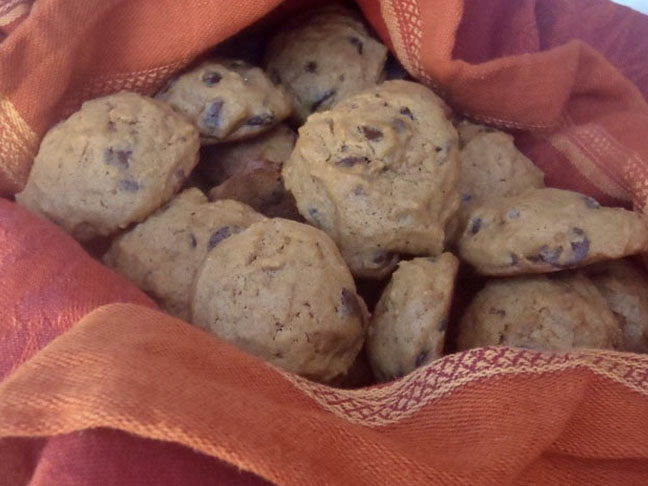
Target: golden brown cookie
625	287
378	173
536	312
546	230
409	323
228	100
110	164
281	291
324	56
162	254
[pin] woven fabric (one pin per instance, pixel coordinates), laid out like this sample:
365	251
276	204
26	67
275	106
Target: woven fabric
97	383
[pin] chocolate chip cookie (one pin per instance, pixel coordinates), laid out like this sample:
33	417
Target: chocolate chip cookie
379	174
537	312
409	323
281	291
228	100
625	287
491	166
110	164
324	56
162	254
223	161
546	230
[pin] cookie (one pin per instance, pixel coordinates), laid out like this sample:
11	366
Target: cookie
261	187
228	100
536	312
110	164
223	161
323	57
491	166
281	291
625	287
546	230
162	254
409	323
379	174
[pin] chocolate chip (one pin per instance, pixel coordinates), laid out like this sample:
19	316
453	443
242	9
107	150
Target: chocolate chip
422	358
407	112
465	197
580	247
438	149
372	134
550	255
118	158
344	148
591	203
514	259
192	240
258	120
211	78
357	43
351	161
310	67
341	77
222	234
314	214
321	99
443	324
512	214
475	225
350	304
129	185
497	312
381	257
111	126
212	116
399	125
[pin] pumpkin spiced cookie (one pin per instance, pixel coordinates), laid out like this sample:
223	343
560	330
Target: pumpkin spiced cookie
162	254
410	320
559	313
281	291
378	173
546	230
110	164
324	56
228	100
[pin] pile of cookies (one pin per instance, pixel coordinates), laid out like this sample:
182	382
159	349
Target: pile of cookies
269	239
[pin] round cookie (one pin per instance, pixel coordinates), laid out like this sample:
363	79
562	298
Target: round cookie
220	162
281	291
625	287
408	325
378	173
110	164
546	230
324	56
162	254
537	312
491	166
228	100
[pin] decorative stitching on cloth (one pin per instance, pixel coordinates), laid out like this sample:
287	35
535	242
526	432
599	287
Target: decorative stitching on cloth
18	142
396	401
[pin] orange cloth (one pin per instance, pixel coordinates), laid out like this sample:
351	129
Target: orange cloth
485	417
